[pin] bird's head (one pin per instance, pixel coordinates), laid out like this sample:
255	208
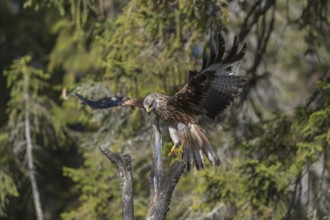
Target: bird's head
150	102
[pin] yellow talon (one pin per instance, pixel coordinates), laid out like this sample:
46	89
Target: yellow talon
176	150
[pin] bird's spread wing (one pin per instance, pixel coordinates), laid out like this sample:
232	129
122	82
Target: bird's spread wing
109	102
211	90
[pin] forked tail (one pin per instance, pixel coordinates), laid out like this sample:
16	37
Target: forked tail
194	143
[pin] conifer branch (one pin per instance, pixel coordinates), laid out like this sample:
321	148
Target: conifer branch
29	151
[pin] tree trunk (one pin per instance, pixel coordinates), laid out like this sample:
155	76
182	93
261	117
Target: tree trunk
29	152
29	149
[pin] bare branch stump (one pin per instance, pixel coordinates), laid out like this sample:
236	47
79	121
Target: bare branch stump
156	172
160	201
161	187
123	165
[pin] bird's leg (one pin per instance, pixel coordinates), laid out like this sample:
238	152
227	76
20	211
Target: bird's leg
176	149
178	146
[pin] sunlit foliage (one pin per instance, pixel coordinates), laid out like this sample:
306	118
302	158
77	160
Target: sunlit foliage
273	142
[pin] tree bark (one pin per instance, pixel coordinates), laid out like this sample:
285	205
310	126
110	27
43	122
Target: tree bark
161	199
156	172
161	187
29	152
123	165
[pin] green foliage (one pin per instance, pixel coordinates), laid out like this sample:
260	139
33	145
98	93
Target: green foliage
7	188
221	186
38	4
100	193
161	34
134	47
27	103
259	183
26	85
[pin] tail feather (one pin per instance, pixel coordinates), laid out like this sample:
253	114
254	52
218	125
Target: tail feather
198	157
205	145
187	157
194	143
197	142
185	137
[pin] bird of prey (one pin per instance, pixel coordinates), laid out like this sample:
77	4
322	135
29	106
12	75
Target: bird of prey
207	92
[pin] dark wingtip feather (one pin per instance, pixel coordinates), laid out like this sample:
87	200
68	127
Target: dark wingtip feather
213	51
205	58
221	48
233	51
217	52
240	55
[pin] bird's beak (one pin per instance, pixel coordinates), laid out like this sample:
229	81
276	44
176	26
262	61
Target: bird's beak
149	109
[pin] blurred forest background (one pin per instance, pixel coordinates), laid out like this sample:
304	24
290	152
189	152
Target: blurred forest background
274	141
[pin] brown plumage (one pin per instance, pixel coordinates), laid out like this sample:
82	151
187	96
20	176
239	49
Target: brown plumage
207	92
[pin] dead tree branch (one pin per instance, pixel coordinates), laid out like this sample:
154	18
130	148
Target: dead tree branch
156	172
123	165
161	187
160	201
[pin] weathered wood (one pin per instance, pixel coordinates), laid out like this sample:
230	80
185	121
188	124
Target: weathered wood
161	187
123	165
160	201
156	171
